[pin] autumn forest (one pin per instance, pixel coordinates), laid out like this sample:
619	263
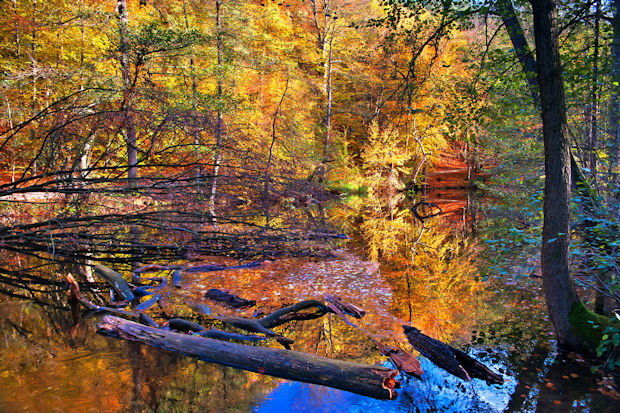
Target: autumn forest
309	205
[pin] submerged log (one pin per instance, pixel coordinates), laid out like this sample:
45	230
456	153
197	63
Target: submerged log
346	308
450	359
99	308
364	379
227	299
404	361
176	278
117	282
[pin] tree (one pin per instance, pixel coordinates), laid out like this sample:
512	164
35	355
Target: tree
129	130
560	294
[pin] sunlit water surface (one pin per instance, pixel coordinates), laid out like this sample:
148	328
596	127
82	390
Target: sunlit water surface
399	272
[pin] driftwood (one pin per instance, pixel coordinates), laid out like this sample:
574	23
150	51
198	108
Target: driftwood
176	278
367	380
401	359
186	326
276	318
142	291
346	308
229	300
117	282
99	308
450	359
225	335
148	321
148	303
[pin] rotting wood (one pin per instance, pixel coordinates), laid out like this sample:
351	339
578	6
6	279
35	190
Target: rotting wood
452	360
371	381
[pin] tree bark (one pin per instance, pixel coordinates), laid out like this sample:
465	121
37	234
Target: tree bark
128	119
614	156
219	126
560	294
522	49
452	360
593	144
328	115
367	380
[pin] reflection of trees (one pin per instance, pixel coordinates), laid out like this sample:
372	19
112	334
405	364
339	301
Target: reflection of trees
428	265
40	365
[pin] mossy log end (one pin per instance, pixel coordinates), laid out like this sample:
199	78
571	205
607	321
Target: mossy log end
364	379
588	325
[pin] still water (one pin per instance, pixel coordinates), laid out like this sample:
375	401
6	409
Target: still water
395	268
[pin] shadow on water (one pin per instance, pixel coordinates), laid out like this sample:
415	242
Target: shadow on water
400	270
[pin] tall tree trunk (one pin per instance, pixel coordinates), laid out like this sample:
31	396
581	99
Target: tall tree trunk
219	126
559	290
33	57
128	118
593	121
194	128
614	156
522	49
17	32
328	117
266	196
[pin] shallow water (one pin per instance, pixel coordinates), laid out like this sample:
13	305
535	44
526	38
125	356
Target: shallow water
395	269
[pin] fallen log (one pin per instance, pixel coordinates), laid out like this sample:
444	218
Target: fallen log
286	314
99	308
227	299
117	282
403	361
148	303
450	359
186	326
367	380
225	335
346	308
176	278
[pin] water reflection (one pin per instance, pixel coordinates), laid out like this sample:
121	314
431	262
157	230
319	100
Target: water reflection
437	392
397	268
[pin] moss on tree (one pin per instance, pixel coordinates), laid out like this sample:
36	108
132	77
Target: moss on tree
588	325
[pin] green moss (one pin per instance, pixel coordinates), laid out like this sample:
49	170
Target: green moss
586	324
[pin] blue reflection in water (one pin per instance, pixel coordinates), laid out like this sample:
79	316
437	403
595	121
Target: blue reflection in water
438	392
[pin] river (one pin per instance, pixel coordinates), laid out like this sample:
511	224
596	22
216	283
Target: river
397	269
